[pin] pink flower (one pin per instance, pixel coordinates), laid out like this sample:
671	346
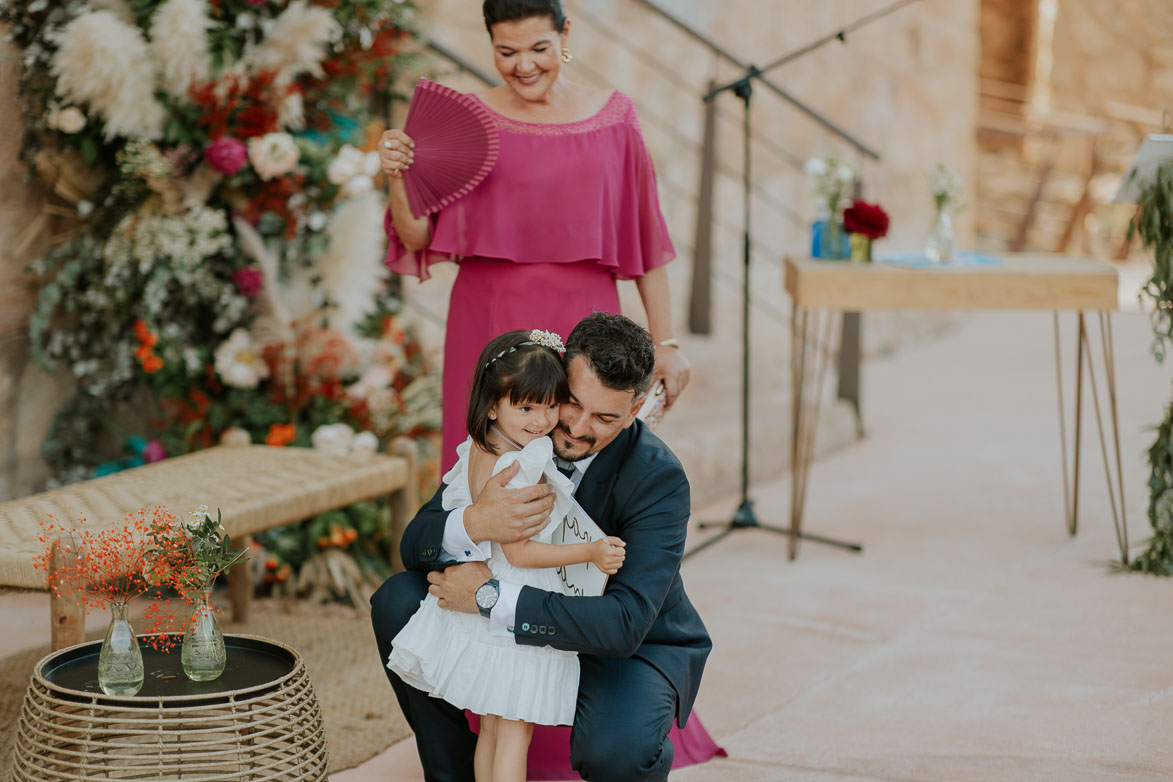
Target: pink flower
226	154
248	281
257	2
154	452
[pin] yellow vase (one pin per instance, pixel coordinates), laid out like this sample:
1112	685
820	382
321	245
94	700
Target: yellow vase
861	249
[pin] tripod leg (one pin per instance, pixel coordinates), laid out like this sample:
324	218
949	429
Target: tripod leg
822	359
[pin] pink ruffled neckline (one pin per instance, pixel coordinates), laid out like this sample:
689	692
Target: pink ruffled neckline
613	111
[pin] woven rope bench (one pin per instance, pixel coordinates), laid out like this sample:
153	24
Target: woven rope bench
257	487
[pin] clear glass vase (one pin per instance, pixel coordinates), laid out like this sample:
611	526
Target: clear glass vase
834	242
203	655
120	661
939	244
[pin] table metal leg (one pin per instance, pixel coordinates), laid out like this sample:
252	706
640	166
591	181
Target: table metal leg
1115	486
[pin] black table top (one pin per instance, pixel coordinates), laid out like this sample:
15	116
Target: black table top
254	667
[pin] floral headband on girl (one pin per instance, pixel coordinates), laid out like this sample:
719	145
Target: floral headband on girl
546	339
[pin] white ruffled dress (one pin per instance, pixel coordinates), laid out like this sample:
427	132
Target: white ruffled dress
451	655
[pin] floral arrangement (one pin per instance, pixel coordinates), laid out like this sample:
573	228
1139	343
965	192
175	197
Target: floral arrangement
191	556
833	181
946	187
214	224
868	220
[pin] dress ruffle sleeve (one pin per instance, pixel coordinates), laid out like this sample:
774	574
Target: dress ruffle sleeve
456	490
537	460
564	193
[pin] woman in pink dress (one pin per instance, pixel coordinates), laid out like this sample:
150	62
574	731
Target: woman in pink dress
569	208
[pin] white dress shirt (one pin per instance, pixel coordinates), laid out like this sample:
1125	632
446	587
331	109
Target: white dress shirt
458	546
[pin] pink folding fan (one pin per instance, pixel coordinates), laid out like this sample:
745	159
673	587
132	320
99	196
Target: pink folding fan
456	145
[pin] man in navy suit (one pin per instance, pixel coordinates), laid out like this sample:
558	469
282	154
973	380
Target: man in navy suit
642	646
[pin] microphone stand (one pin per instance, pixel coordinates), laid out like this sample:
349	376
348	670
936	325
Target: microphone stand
745	517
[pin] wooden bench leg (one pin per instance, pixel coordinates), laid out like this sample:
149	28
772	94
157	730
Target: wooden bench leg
240	583
66	613
405	499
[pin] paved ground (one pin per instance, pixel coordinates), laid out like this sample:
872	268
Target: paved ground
973	640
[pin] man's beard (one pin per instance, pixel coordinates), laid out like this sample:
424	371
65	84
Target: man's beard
588	440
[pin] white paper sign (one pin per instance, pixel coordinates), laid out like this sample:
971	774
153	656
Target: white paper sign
584	579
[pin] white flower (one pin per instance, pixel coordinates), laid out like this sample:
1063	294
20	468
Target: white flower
273	155
238	363
234	436
375	376
365	444
333	438
68	120
845	173
357	185
84	208
344	165
815	167
370	164
317	221
197	516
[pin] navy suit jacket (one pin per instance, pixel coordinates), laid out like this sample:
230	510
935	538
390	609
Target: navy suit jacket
635	489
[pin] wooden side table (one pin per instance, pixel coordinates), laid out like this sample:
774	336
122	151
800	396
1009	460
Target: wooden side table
1022	281
259	721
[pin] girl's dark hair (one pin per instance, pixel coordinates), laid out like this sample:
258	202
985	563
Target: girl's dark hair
516	10
523	372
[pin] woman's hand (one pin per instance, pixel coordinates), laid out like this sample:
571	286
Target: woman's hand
396	152
607	554
673	368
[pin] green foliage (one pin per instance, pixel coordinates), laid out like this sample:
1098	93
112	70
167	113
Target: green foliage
1154	224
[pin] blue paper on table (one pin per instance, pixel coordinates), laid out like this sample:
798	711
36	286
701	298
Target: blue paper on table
918	260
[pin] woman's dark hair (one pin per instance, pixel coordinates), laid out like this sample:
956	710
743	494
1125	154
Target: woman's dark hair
618	351
516	10
512	365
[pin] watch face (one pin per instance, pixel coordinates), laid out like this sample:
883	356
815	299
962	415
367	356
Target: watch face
486	596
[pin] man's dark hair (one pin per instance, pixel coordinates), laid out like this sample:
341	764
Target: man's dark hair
516	10
523	372
618	351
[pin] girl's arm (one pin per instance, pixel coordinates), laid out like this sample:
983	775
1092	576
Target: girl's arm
607	554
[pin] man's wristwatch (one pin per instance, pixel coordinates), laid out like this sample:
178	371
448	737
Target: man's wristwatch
486	596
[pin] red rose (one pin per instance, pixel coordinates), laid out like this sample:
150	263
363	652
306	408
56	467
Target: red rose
867	219
226	155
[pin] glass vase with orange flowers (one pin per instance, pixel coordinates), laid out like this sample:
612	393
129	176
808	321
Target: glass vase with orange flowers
191	557
108	568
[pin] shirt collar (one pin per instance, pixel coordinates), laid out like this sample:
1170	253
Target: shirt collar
582	465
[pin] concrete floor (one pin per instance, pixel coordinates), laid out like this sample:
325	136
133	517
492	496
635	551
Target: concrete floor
972	640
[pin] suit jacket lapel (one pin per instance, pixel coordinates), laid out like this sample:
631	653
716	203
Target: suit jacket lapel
594	493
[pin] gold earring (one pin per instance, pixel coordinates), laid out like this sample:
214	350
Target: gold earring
566	55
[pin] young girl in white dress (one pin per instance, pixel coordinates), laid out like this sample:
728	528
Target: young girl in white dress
518	385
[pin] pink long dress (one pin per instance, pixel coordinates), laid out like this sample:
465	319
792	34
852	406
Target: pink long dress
566	211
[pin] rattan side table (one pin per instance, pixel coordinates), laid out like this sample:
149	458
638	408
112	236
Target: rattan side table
259	721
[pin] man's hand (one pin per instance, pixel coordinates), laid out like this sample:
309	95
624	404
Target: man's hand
456	586
505	515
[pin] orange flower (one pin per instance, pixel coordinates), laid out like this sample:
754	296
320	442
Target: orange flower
280	434
152	364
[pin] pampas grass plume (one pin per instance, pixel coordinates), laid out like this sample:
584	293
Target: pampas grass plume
352	269
106	64
179	45
297	43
